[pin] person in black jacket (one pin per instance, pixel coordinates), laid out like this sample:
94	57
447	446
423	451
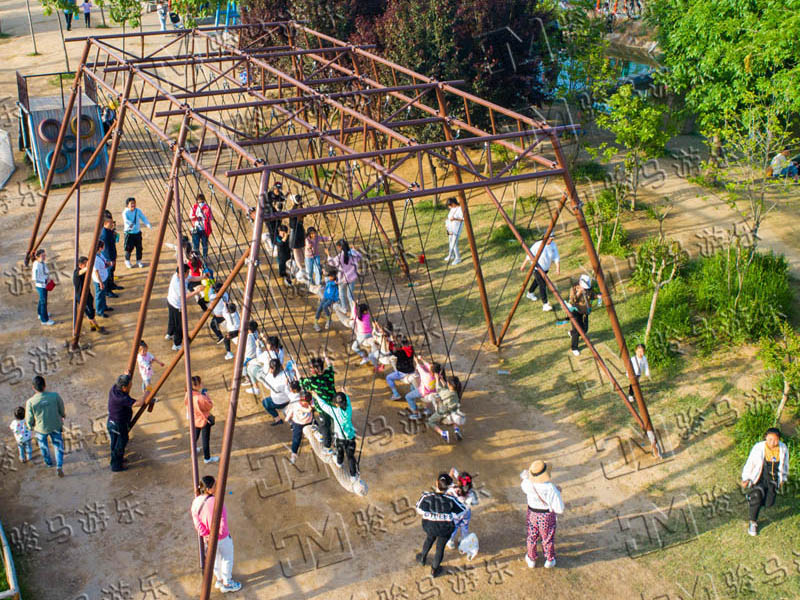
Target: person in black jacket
109	237
120	413
297	236
439	512
78	277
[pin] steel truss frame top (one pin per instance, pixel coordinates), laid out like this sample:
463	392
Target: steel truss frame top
328	97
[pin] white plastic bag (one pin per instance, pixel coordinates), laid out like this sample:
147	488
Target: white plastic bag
469	546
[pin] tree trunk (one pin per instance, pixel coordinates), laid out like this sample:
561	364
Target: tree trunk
103	16
435	179
63	43
635	182
784	398
652	313
30	26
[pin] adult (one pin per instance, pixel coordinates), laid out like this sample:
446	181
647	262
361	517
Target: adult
311	252
439	512
203	419
99	279
120	413
133	218
275	202
640	367
544	503
766	470
252	350
782	167
109	237
41	279
403	352
68	13
346	264
548	257
217	315
297	235
161	9
44	414
202	511
78	278
454	224
174	325
581	297
201	224
277	382
87	12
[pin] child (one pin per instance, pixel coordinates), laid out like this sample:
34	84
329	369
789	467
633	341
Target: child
232	324
449	402
362	328
322	386
284	253
22	434
218	314
341	412
431	378
463	490
403	351
145	361
380	355
311	251
278	385
299	414
640	367
329	297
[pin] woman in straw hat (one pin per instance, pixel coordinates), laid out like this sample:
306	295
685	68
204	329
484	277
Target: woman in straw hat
544	503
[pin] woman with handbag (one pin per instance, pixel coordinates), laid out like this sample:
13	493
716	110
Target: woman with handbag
448	410
202	516
43	285
203	419
544	503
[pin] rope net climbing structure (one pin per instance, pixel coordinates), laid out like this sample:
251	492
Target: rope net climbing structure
361	141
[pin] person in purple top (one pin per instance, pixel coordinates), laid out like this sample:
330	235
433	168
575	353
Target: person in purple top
346	264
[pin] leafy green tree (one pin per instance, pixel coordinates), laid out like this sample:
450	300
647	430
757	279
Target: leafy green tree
781	355
58	6
640	128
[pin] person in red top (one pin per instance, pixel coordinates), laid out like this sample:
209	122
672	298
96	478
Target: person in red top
201	224
203	419
403	351
202	516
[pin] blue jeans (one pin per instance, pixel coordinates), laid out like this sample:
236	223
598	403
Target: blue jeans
346	291
199	237
99	300
411	398
314	270
790	171
58	444
271	407
25	450
41	308
324	305
391	378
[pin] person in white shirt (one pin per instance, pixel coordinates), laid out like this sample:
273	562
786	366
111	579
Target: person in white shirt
764	473
454	224
174	327
40	276
99	278
22	434
233	323
278	386
253	347
548	257
544	503
217	316
640	367
782	167
133	219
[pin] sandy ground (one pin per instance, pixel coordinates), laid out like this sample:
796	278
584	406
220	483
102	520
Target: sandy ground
97	536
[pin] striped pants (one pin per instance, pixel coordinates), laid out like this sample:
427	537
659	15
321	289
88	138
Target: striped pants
541	525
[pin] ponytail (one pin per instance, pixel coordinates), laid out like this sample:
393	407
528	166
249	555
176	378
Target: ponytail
206	483
456	383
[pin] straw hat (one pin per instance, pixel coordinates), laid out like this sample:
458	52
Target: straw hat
539	471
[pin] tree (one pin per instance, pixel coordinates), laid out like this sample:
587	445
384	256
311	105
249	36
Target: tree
188	10
640	127
780	355
125	12
58	6
30	26
658	262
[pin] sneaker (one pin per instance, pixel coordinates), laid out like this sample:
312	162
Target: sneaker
339	464
414	416
102	330
438	570
220	340
231	586
252	390
531	296
228	355
451	544
453	264
752	529
363	361
213	459
549	564
327	324
111	295
128	264
278	422
317	328
48	322
396	397
292	458
168	337
60	472
576	352
546	307
446	436
631	399
140	264
176	347
531	563
459	437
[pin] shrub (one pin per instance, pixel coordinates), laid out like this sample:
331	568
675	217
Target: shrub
503	240
602	212
671	324
619	246
590	170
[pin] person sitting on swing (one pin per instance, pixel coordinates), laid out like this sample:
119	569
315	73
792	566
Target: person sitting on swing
380	356
403	351
322	387
341	413
447	407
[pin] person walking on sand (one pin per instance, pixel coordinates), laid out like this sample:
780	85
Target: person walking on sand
78	279
120	413
203	419
544	503
764	473
87	13
41	281
453	225
44	414
640	367
581	297
22	435
202	512
439	511
133	218
548	257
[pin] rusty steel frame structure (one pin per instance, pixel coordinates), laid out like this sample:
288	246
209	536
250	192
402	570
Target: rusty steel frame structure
323	93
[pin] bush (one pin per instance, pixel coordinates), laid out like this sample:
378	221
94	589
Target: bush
591	171
765	298
619	246
503	240
602	212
